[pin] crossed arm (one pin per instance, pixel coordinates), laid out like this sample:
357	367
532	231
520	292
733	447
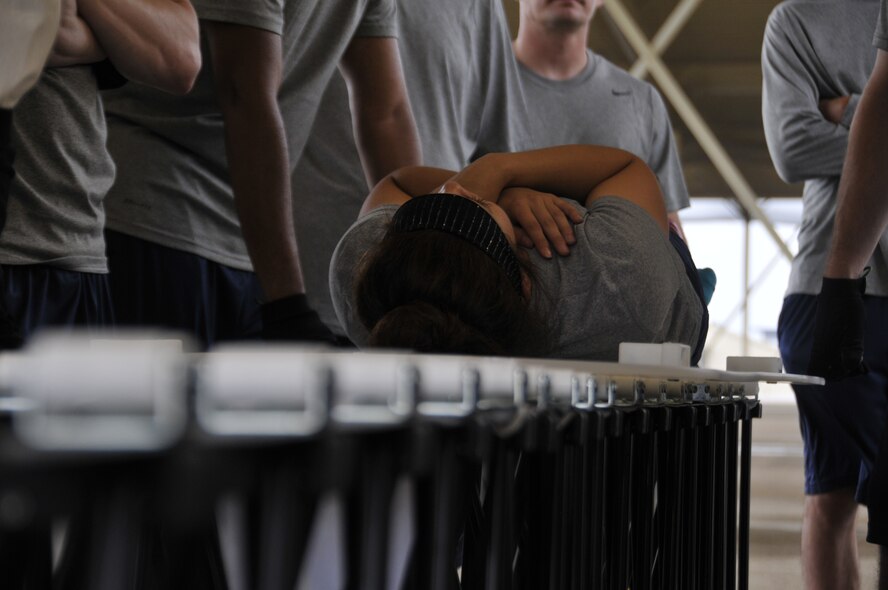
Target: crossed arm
153	42
525	185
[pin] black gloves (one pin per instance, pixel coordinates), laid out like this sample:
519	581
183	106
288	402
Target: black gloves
292	319
837	351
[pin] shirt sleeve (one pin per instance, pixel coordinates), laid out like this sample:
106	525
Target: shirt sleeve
802	143
27	33
267	15
880	39
380	19
663	156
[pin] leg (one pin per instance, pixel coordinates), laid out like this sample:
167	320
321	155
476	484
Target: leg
841	425
883	567
829	542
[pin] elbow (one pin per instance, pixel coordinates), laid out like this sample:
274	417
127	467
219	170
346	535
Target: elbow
787	157
788	169
182	69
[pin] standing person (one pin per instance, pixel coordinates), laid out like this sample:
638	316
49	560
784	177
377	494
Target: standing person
844	318
815	60
203	197
462	81
576	96
27	34
53	270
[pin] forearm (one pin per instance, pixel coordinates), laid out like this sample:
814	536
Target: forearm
75	44
568	171
805	145
386	141
862	212
154	42
403	184
259	170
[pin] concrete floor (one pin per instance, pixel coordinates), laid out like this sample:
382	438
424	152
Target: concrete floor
777	500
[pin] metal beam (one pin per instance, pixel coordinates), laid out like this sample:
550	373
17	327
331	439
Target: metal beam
669	30
692	118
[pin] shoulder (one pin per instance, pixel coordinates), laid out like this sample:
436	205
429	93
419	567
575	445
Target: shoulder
261	14
366	231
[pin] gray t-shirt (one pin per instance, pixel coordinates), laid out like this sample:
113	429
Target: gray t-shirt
816	49
604	105
462	95
623	282
880	39
63	171
462	79
173	185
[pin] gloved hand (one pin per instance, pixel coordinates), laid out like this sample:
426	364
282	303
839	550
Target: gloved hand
290	318
10	335
837	351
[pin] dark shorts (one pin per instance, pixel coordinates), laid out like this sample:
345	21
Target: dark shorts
841	423
878	498
156	286
693	274
34	296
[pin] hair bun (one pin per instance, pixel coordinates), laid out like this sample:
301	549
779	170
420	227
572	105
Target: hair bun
423	327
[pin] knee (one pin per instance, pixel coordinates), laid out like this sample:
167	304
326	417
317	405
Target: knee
836	509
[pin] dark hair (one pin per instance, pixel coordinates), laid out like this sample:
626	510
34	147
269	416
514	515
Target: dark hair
431	291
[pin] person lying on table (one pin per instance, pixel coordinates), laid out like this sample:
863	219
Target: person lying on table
449	262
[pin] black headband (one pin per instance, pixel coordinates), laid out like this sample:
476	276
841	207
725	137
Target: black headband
464	218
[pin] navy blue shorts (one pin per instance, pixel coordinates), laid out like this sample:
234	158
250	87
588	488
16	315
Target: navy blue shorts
156	286
38	295
842	423
878	498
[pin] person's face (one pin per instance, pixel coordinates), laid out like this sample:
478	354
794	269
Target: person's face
560	14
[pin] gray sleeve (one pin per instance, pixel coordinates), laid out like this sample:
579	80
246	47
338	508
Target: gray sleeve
802	143
663	156
498	88
363	235
261	14
380	20
880	39
850	109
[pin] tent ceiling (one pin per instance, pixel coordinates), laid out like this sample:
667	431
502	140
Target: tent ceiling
716	60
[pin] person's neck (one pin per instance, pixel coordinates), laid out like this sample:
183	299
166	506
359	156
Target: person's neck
556	55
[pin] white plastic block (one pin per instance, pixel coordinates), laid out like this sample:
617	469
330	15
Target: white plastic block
755	364
669	354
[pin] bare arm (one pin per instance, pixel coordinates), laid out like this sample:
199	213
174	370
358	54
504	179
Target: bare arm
862	213
247	69
75	43
403	184
580	172
153	42
385	131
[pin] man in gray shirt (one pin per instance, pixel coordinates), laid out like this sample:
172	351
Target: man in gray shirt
52	253
462	81
815	61
576	96
203	195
